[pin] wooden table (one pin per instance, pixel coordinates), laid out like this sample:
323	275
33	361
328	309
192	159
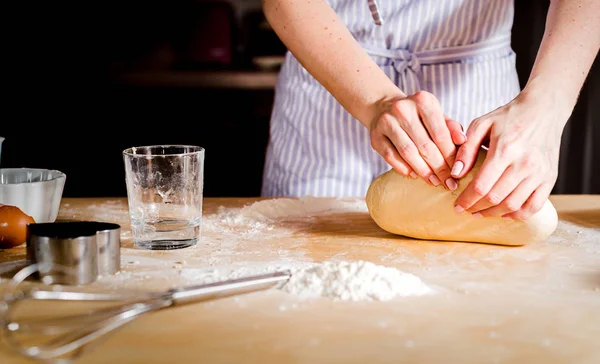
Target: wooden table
492	304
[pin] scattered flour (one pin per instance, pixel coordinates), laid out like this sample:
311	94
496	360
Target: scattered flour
109	211
269	215
234	220
574	235
281	208
222	273
230	232
336	280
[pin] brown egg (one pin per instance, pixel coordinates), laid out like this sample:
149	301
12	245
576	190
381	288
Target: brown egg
13	226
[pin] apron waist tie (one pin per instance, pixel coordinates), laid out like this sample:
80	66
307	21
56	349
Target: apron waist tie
404	60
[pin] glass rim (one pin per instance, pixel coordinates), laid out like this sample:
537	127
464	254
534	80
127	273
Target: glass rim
194	149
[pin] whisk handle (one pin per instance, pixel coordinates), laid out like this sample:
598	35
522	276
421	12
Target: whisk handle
227	288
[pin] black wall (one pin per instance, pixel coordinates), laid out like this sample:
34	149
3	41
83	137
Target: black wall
62	111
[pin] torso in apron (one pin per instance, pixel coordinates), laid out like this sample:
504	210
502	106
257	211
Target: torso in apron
459	50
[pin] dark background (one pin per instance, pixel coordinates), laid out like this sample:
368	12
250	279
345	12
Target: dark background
87	80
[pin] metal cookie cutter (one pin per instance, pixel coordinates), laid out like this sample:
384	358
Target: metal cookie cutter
74	252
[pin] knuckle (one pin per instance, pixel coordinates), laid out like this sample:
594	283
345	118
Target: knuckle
493	198
401	108
438	134
480	189
475	123
504	151
512	205
387	121
427	148
534	207
422	97
387	154
403	170
407	150
524	214
528	163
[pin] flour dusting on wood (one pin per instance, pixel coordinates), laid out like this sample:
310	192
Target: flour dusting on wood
319	238
231	237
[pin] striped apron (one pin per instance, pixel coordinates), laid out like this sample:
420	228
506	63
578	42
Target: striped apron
459	50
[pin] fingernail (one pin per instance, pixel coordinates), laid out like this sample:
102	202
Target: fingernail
413	174
458	209
508	218
477	214
457	168
434	180
451	184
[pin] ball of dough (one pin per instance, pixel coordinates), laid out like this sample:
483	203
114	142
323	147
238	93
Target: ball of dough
411	207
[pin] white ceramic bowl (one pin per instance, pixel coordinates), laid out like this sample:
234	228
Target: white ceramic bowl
37	192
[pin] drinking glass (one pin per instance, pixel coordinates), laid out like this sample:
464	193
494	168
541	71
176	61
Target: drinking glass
164	193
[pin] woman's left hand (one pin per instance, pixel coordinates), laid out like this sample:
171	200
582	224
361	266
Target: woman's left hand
521	165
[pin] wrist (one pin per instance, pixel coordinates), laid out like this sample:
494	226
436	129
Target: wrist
546	99
381	105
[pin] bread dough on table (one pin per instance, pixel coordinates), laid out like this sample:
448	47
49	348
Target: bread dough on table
411	207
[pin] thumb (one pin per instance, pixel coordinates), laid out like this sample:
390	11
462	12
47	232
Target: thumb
467	152
456	131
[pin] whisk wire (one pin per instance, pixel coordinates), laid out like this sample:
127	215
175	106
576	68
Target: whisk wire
78	339
73	334
57	325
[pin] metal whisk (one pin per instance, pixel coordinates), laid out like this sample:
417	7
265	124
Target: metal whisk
70	334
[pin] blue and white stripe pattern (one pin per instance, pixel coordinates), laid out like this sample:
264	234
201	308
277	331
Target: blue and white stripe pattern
459	50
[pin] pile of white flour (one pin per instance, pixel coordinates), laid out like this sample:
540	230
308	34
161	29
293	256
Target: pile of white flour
354	281
337	280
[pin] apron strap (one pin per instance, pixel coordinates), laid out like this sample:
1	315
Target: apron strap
374	7
404	60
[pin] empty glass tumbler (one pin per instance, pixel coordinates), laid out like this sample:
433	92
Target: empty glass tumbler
164	192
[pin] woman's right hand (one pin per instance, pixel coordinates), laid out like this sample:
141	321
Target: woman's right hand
415	137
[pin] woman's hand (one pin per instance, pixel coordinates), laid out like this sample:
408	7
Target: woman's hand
416	139
521	165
